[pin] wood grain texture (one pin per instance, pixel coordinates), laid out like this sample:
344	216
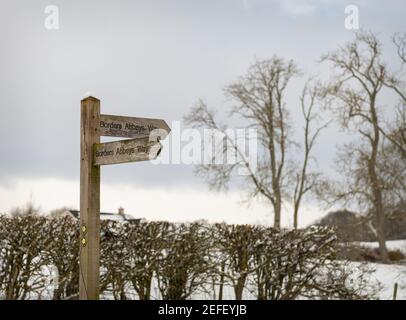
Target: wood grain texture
89	202
132	127
126	151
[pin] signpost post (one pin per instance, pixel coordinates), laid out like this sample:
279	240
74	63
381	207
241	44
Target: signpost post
143	146
89	202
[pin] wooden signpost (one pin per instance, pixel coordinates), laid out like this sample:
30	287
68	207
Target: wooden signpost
130	127
144	145
126	151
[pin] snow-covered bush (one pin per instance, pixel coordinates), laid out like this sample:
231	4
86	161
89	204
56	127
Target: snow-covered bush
153	260
292	264
63	255
147	242
114	253
184	266
234	250
24	240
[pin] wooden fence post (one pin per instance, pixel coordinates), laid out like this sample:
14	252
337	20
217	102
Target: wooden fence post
395	291
89	265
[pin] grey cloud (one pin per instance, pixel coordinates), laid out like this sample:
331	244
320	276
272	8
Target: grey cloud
142	58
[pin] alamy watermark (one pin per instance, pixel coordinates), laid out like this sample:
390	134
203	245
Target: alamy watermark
237	147
51	21
351	21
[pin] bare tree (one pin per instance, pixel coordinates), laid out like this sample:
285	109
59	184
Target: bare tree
305	181
392	171
63	254
146	246
356	90
23	240
302	263
235	246
184	267
259	99
114	252
29	209
396	131
399	39
270	263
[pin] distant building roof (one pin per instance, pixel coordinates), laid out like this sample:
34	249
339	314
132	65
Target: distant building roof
108	215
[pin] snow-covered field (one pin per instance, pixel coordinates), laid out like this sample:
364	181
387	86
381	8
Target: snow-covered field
388	275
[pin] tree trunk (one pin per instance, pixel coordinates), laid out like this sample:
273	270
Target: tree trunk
376	186
223	267
380	220
277	209
295	216
238	289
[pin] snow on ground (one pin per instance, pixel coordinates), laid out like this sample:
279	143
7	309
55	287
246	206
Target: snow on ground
388	275
382	279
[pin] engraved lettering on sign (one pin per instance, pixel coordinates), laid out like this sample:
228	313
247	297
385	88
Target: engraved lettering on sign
132	127
126	151
104	153
110	125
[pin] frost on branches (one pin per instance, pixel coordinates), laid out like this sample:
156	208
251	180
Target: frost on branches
162	260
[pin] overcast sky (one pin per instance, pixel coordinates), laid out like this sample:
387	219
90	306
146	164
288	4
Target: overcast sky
150	59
